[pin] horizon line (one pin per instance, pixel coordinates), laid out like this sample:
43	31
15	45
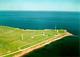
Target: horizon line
42	10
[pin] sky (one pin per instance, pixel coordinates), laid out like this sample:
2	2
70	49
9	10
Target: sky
40	5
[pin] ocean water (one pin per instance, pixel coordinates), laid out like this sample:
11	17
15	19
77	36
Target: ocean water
69	46
41	20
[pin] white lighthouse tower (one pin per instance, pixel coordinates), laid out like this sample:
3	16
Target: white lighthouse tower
56	29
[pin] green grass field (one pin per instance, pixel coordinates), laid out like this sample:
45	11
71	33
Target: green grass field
14	39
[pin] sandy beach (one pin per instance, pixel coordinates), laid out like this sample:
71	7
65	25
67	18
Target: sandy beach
41	44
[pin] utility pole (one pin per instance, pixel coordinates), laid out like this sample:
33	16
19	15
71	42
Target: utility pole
21	36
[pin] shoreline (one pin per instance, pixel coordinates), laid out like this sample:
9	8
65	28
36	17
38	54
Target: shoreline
41	44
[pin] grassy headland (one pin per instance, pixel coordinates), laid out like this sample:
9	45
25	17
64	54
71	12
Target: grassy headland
15	40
